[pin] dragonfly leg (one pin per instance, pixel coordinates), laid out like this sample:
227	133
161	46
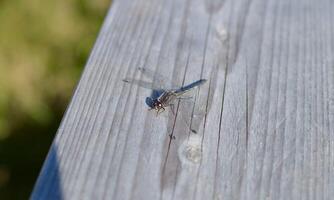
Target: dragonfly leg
163	109
160	110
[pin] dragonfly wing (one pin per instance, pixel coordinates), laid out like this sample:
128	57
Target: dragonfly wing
144	84
158	78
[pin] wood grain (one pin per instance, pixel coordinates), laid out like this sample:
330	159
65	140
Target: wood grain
264	119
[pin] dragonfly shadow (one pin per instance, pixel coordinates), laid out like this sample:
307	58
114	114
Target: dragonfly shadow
48	184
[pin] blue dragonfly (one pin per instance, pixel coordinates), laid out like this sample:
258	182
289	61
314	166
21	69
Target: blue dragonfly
162	97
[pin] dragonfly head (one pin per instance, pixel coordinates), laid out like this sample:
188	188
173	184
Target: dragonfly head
154	104
158	106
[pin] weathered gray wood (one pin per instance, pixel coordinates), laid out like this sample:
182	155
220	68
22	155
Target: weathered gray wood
267	132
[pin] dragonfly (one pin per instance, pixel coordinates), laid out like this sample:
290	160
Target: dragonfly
163	97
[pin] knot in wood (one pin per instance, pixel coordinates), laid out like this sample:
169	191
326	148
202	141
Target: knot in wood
191	150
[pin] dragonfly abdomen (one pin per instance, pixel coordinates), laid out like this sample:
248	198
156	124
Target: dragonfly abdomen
190	86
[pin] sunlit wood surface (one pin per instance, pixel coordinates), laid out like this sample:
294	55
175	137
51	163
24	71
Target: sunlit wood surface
264	119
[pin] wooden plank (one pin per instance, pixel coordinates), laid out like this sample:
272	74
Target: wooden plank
264	119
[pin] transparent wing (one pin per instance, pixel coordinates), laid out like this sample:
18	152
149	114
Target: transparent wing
197	113
192	114
158	78
144	84
189	115
161	80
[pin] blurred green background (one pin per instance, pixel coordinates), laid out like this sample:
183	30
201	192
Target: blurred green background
43	48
